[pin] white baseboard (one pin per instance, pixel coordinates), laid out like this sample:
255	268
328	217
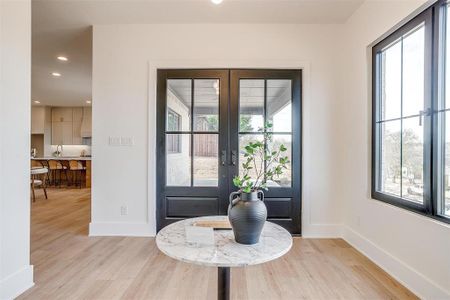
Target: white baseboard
121	229
410	278
322	231
16	283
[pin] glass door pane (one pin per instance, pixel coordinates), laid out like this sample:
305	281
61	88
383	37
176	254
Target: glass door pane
179	102
178	158
251	105
206	105
206	160
279	105
266	102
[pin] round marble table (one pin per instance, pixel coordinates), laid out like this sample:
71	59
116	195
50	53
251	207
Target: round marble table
224	253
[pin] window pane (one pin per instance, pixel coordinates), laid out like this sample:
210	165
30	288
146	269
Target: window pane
251	105
244	140
178	159
390	158
413	72
206	105
443	196
412	164
178	103
391	94
279	108
206	160
173	121
445	210
447	61
285	179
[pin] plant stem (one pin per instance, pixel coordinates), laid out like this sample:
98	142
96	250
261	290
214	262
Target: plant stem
261	171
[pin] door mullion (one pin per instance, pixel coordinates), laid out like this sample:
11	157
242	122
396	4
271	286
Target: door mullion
224	130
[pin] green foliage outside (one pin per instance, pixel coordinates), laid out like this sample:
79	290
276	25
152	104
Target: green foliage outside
266	163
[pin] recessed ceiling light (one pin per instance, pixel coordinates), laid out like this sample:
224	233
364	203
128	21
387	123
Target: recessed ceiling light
216	1
62	58
37	102
56	74
88	101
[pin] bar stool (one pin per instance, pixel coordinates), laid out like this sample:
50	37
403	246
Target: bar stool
56	168
76	169
44	164
37	163
37	180
65	168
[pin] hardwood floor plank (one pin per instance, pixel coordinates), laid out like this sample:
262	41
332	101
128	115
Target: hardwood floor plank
70	265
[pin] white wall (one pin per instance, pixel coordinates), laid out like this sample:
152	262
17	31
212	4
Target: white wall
413	248
123	83
16	273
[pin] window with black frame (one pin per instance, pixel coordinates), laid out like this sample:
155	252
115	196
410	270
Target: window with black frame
173	124
410	143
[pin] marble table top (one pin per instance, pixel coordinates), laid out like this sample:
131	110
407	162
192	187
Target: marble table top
275	241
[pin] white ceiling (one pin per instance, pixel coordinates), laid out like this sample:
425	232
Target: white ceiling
63	27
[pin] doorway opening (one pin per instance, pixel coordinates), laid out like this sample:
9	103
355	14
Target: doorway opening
61	134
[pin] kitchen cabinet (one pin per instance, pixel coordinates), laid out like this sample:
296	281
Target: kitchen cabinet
62	133
37	120
62	114
77	114
86	125
70	125
76	133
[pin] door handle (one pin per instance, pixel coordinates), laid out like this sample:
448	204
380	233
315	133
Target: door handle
224	157
233	157
423	113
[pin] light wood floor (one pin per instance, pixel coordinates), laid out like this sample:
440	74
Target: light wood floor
70	265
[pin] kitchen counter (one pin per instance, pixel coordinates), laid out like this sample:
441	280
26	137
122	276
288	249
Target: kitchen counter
62	158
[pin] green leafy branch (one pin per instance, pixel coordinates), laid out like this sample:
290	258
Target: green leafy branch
266	163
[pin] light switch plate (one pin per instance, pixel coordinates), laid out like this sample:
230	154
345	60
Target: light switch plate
114	141
124	210
127	141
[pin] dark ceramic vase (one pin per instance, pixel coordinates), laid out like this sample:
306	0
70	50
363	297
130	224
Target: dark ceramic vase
247	214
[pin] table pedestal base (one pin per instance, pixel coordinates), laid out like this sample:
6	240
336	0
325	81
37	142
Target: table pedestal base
223	283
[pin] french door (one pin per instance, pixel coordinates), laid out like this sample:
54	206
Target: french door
204	120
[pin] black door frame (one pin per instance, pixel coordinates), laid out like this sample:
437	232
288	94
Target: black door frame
228	114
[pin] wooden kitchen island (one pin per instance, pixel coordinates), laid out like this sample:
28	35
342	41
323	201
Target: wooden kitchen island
86	161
